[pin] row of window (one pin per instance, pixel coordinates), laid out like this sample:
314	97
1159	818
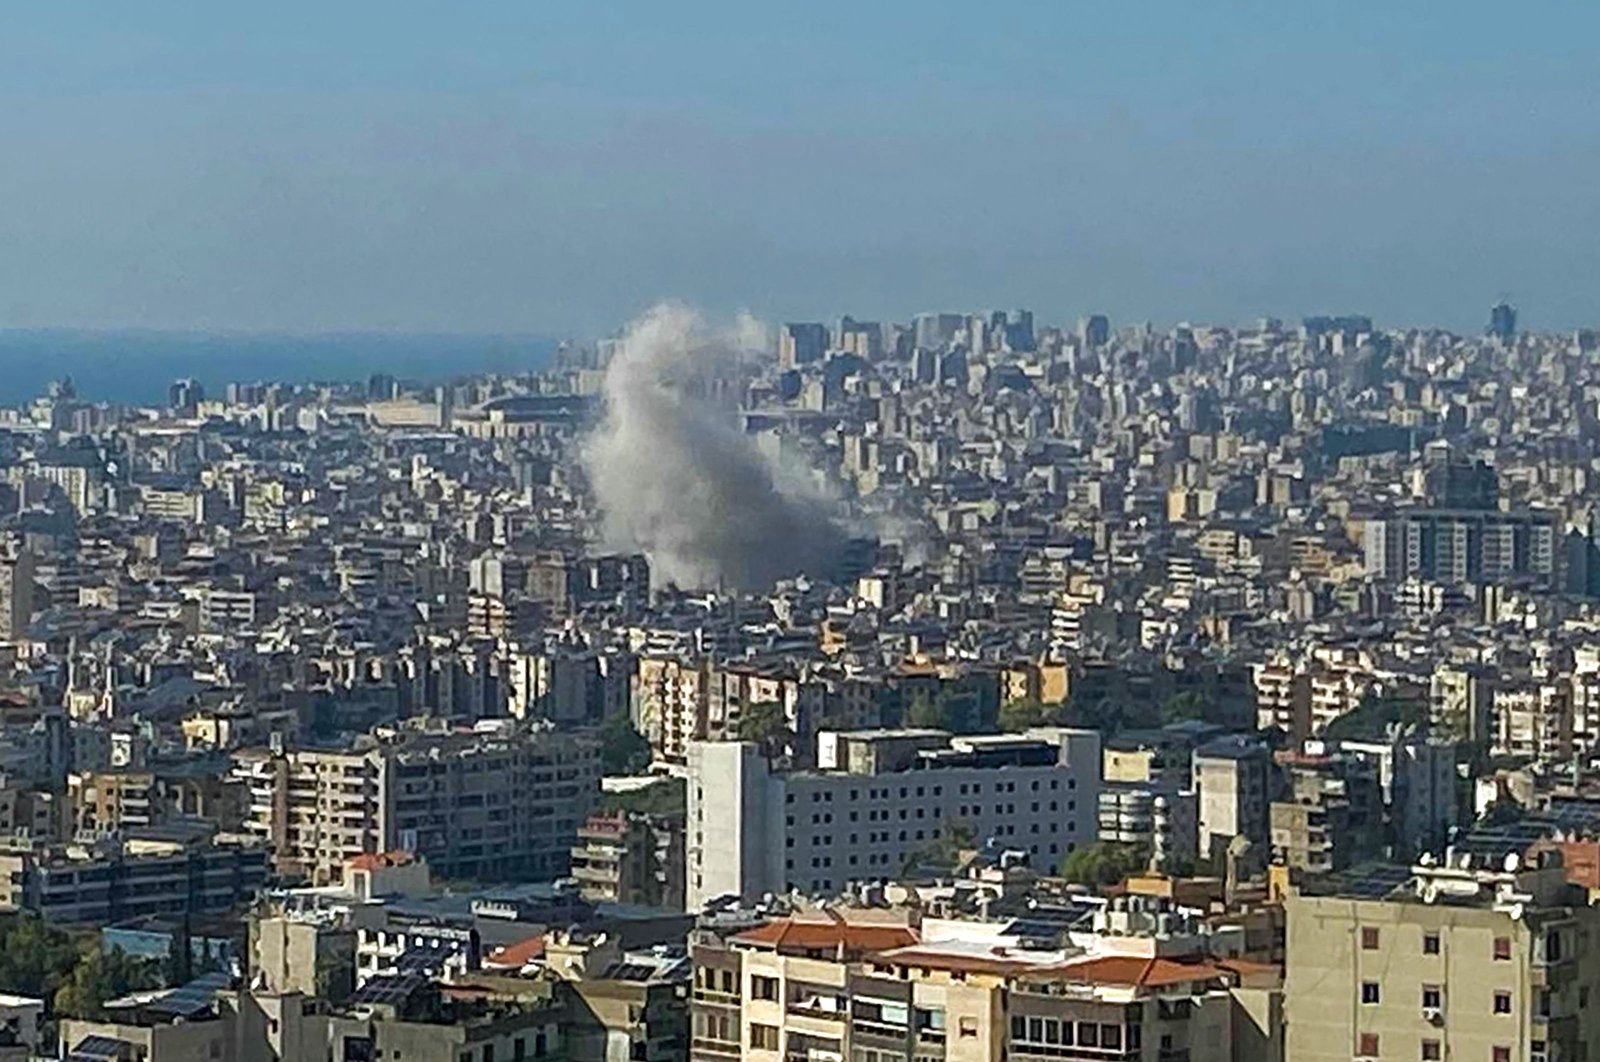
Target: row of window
825	796
1371	940
1055	1033
1368	1046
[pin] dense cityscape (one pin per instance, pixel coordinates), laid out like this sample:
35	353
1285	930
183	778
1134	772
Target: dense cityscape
973	688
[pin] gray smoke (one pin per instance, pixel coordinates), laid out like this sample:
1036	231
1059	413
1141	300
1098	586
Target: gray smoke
676	477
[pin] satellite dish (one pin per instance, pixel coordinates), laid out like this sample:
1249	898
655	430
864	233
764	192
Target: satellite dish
1513	862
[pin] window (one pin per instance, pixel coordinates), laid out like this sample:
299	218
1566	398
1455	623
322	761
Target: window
764	988
1502	1002
763	1037
1369	992
1552	946
1430	943
1502	1053
1369	938
1432	998
1367	1045
1431	1051
1502	949
969	1028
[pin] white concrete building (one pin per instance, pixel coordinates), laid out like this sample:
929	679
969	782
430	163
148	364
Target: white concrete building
877	799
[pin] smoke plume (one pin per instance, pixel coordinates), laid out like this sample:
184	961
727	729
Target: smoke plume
677	478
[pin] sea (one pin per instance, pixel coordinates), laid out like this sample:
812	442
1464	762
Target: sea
136	368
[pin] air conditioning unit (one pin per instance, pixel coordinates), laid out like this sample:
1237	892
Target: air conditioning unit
1433	1015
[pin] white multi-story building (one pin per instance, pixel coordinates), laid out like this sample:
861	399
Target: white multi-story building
877	800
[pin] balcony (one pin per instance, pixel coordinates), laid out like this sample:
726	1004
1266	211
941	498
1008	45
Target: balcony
814	1054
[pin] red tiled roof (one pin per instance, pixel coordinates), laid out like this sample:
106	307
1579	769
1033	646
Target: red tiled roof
787	933
1128	970
379	860
1141	973
516	956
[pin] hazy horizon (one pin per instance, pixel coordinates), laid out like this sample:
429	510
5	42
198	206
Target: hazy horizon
136	366
513	168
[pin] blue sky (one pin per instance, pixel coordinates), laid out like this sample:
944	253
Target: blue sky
552	167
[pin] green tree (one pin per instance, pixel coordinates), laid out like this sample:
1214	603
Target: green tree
101	976
34	958
623	750
765	723
946	708
1028	712
1104	863
1181	707
666	798
1375	715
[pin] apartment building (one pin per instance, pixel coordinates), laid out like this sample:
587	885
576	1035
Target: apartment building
877	799
1448	960
669	705
1283	699
632	858
1233	783
133	878
876	986
1159	820
103	802
497	801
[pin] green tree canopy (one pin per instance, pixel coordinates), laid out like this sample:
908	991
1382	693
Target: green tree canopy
101	976
949	707
34	958
1181	707
1104	863
666	797
623	750
766	723
1374	717
1029	712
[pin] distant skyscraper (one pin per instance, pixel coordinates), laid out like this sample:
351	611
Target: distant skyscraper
1095	330
1502	321
934	330
185	395
1019	330
861	338
802	344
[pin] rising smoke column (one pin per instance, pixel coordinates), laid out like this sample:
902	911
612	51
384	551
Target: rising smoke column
675	476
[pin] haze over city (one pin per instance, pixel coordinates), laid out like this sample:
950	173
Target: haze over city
554	169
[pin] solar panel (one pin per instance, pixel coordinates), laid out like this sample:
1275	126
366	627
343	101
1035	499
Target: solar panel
98	1049
418	960
199	994
388	991
1372	881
